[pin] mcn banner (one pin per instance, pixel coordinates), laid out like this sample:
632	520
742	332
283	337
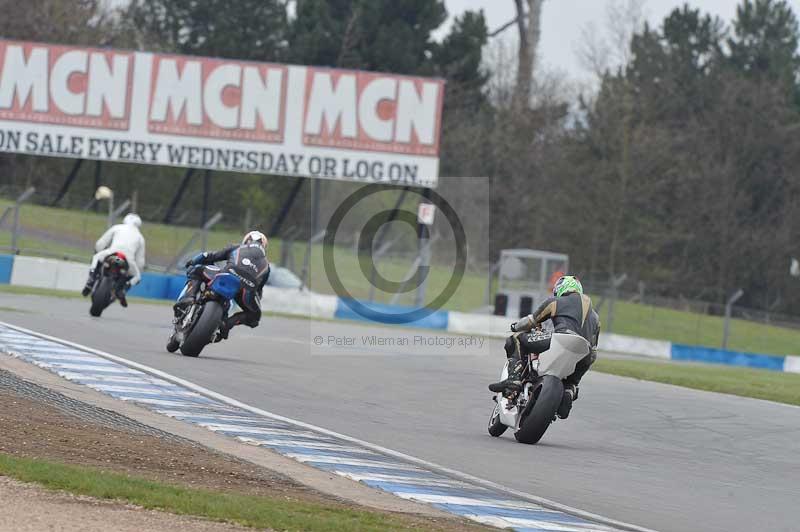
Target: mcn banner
219	114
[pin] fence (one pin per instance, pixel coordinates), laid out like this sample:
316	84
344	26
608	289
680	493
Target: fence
71	233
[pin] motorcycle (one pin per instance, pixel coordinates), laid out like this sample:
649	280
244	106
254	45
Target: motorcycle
531	411
111	278
199	323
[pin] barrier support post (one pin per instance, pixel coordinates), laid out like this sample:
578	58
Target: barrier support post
15	230
728	311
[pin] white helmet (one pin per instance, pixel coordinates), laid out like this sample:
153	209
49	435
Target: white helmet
256	237
132	219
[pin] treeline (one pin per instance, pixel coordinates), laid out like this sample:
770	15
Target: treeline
681	169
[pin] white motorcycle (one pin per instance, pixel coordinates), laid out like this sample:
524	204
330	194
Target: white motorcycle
531	411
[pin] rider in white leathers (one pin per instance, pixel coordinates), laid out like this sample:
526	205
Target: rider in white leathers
125	238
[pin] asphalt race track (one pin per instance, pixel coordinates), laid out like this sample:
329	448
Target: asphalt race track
658	456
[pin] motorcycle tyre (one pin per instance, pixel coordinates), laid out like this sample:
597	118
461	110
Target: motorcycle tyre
101	297
496	427
204	327
543	412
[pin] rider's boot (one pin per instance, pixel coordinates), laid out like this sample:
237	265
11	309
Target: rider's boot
89	283
223	332
513	383
570	395
121	293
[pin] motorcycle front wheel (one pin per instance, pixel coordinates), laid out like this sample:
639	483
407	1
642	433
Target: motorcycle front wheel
496	427
204	328
542	412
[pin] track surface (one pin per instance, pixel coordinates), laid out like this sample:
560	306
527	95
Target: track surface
658	456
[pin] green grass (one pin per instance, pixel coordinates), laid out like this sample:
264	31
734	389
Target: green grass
699	329
258	512
66	294
745	382
78	231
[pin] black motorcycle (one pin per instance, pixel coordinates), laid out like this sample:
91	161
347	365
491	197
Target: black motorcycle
530	412
198	324
111	279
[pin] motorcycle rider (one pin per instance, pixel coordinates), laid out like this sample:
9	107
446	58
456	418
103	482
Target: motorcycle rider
247	261
571	313
127	239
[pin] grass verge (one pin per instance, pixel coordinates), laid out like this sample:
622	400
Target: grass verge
681	327
67	294
259	512
745	382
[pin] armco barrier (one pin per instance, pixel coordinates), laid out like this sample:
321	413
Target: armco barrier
6	263
388	314
478	324
48	273
62	275
619	343
158	286
791	364
299	302
688	353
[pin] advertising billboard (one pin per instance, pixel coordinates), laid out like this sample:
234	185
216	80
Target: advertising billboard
219	114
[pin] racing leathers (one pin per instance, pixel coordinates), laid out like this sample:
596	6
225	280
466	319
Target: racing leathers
122	238
249	263
571	313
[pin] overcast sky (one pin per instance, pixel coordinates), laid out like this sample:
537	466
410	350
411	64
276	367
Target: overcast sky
563	22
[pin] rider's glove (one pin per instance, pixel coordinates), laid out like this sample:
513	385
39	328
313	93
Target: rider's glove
197	259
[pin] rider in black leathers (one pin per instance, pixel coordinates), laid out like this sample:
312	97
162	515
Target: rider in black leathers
249	263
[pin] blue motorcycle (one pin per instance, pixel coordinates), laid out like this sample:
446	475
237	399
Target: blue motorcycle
199	323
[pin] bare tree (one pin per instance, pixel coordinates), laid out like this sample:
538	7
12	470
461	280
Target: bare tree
604	48
529	23
80	22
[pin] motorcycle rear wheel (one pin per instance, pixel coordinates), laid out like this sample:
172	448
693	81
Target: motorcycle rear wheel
204	327
539	416
101	297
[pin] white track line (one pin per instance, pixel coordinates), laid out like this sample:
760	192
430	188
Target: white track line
383	450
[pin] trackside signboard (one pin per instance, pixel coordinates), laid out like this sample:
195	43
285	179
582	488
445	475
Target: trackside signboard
219	114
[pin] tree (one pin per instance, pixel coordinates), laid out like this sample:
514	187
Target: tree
608	48
382	35
765	43
245	29
459	57
765	39
85	22
529	30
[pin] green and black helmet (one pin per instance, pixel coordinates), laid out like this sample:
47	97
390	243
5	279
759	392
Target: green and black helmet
566	285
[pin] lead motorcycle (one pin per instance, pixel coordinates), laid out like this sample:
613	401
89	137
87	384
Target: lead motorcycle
530	412
199	323
112	277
